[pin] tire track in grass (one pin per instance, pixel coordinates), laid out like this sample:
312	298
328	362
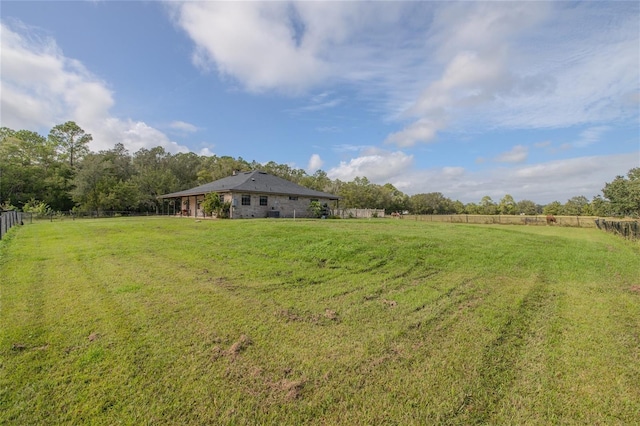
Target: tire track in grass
436	312
498	369
435	316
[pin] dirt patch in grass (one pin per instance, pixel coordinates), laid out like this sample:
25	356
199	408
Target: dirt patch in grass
19	347
234	350
291	315
635	289
292	388
239	345
330	314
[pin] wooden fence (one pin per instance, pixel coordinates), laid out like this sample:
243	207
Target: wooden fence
358	213
539	220
9	219
629	229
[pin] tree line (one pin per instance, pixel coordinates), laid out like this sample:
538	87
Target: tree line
60	173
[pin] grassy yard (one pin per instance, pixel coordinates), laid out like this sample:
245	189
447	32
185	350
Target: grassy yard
177	321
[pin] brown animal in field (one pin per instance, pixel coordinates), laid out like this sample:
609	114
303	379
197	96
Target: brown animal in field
551	219
396	215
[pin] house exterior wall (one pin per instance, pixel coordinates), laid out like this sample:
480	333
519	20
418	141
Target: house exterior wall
283	206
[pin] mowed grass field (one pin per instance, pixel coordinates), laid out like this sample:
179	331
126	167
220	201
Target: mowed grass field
177	321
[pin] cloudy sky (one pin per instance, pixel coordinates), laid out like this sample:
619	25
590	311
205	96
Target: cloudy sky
539	100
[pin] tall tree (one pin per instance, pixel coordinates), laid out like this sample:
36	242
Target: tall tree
214	168
575	206
282	170
30	170
153	176
472	208
393	199
185	167
507	205
554	207
624	193
526	207
600	207
121	162
92	182
71	141
458	207
431	203
488	206
318	181
359	194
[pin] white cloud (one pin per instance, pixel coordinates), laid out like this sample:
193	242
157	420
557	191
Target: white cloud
476	65
591	136
423	130
318	106
42	88
469	79
206	152
293	47
135	135
183	126
585	60
350	148
472	44
376	165
518	154
452	172
319	102
543	183
256	43
315	163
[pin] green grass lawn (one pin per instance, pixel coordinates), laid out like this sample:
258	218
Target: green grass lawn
177	321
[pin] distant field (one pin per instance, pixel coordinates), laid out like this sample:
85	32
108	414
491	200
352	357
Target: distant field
577	221
382	321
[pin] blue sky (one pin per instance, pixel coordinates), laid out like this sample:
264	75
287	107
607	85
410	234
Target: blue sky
539	100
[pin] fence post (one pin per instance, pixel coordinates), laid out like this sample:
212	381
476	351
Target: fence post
8	219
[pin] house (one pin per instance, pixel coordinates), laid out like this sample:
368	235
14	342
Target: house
252	194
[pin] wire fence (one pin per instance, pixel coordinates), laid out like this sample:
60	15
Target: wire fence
29	217
533	220
629	229
9	219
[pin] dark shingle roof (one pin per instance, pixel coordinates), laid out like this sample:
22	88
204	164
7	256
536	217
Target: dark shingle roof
252	182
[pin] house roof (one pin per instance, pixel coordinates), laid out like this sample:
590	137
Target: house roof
252	182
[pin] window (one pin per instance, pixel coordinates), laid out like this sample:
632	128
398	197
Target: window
263	200
293	198
221	196
246	200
